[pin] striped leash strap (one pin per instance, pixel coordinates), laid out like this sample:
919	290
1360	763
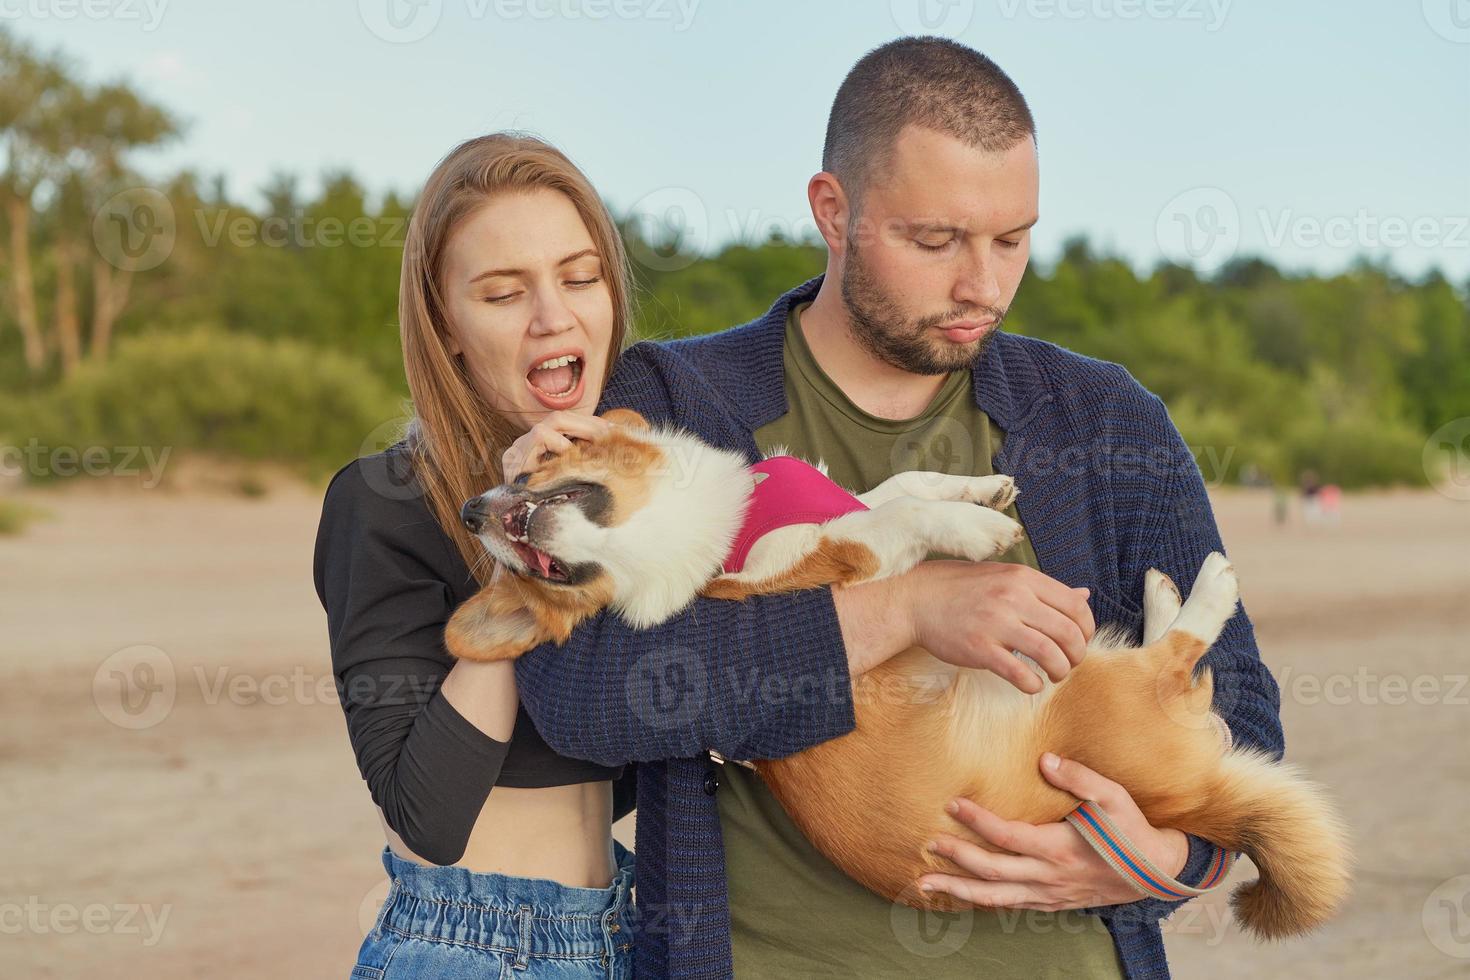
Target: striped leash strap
1126	858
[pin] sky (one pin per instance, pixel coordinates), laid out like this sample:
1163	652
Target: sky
1309	132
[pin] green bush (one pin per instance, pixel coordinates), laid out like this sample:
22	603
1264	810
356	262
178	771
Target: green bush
220	392
1357	451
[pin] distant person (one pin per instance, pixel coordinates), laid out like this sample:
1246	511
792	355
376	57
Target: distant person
1329	502
1311	488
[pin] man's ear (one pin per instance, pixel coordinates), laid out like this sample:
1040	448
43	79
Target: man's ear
494	624
625	416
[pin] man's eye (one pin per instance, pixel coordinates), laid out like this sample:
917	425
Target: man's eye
1007	243
934	248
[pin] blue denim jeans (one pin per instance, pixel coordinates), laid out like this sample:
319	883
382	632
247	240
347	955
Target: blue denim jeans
452	924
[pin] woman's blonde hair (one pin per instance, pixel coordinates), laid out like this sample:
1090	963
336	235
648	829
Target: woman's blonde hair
455	438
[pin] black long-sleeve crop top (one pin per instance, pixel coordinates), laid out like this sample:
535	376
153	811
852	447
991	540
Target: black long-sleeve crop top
389	578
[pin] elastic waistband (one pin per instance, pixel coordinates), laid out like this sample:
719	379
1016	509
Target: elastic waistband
530	916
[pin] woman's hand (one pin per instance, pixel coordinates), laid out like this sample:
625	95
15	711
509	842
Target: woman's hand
1050	866
553	434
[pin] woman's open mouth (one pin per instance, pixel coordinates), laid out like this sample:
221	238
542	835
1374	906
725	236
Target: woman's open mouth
557	381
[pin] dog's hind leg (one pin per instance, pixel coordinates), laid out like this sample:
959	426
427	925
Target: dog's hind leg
1212	600
1161	605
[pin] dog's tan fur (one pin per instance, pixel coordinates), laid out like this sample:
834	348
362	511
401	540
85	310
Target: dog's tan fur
927	732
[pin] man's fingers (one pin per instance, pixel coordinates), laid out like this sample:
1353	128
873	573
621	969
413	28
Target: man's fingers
1068	601
1060	629
1080	781
1040	648
999	660
985	894
986	865
1015	836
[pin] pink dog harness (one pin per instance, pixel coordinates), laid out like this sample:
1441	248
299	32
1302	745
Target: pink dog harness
787	491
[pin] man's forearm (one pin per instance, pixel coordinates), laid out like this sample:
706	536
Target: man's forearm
876	620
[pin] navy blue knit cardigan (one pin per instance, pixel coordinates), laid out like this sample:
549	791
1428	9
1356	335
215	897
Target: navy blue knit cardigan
1108	490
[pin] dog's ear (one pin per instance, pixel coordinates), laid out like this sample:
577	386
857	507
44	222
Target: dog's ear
494	624
625	416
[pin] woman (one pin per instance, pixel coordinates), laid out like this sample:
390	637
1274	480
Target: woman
513	304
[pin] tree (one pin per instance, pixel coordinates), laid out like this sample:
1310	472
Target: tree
32	88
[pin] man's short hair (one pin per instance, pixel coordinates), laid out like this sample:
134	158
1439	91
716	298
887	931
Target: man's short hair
925	81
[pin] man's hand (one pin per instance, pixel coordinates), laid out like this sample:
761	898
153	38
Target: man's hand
1050	866
973	614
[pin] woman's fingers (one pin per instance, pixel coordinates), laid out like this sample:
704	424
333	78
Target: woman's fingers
554	434
576	424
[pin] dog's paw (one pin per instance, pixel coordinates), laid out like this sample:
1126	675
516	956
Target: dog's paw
996	492
986	533
1212	599
1216	580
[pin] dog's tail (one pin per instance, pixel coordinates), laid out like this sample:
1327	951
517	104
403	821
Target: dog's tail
1291	831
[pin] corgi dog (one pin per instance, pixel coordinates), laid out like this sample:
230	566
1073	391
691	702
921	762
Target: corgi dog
642	521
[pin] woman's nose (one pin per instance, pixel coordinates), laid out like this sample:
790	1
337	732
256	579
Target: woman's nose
553	315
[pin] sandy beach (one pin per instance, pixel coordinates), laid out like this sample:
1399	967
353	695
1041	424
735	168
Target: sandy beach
192	809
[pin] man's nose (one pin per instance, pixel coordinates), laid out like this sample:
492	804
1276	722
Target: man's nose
978	286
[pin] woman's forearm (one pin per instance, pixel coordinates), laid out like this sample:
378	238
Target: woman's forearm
485	694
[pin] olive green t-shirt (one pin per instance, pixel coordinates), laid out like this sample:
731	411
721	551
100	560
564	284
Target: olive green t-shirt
793	913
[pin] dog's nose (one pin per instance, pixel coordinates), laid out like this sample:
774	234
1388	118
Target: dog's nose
473	514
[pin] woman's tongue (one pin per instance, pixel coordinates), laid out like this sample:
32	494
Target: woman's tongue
553	381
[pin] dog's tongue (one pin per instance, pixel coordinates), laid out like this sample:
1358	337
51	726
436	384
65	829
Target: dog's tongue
556	381
544	560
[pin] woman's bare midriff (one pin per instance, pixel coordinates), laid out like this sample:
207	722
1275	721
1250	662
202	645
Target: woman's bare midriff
563	833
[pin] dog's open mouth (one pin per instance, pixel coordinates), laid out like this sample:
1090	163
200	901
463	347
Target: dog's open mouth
517	524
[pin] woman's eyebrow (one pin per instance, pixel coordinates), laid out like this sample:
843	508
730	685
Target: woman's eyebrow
491	273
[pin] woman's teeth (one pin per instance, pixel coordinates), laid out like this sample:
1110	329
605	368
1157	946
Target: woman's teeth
556	375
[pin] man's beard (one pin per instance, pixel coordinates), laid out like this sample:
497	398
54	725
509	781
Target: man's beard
882	330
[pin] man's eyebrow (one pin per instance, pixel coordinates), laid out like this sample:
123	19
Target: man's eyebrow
491	273
917	227
1022	227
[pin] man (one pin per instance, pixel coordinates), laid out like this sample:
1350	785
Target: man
892	360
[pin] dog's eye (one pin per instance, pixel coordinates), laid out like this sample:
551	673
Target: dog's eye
546	457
